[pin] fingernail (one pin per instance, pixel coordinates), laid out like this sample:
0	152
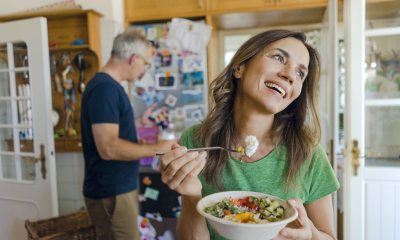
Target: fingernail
292	201
195	153
182	149
203	153
284	233
300	221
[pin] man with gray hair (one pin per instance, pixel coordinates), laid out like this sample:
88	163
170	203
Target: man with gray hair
110	145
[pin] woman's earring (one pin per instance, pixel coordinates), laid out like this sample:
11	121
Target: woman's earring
236	72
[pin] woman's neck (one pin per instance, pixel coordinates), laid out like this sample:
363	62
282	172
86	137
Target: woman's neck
256	124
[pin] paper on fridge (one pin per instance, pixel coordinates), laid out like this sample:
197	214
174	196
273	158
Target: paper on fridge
188	35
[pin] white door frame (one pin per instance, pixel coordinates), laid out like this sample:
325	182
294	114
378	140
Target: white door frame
354	23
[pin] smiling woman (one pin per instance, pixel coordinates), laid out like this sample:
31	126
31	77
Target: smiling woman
268	90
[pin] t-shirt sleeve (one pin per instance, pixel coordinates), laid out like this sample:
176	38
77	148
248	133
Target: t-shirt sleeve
103	104
322	178
187	137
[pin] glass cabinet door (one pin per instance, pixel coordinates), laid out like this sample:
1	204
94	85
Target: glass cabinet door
382	83
371	119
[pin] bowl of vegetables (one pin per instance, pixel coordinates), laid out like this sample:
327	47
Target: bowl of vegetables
239	215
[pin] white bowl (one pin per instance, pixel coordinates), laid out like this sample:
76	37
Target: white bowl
241	231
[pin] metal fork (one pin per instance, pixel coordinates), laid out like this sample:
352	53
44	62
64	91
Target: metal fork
206	149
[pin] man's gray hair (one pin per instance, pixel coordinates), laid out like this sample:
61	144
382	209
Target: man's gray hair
130	42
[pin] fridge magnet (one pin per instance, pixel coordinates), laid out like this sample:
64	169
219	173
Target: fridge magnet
190	96
176	211
155	216
179	62
147	135
141	198
192	63
151	193
164	31
165	57
192	79
146	181
171	100
144	120
146	230
155	165
141	29
167	235
165	81
179	113
151	33
145	84
194	112
159	96
160	117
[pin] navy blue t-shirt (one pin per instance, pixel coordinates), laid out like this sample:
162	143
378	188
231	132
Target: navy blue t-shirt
105	101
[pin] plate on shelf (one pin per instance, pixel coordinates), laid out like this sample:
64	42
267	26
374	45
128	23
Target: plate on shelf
55	117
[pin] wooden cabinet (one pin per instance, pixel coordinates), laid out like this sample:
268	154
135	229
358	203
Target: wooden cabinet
380	1
163	9
71	33
217	6
292	4
139	10
70	29
221	6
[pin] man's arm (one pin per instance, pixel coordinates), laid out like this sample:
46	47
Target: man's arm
111	147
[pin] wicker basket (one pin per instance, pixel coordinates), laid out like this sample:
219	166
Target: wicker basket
69	227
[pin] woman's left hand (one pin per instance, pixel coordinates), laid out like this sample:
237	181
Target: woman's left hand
300	229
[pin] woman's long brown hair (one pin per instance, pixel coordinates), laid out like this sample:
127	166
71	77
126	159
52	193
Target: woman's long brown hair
297	126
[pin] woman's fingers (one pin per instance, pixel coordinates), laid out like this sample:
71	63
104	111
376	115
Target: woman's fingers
302	213
302	228
191	178
174	166
178	172
175	145
302	233
172	155
200	165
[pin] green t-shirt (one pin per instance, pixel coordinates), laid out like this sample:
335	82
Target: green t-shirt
266	175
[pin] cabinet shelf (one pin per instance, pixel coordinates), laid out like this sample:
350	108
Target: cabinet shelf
68	144
71	47
64	144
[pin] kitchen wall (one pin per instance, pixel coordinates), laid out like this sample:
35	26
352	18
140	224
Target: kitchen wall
70	168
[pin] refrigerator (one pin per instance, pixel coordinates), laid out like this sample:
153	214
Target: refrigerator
171	97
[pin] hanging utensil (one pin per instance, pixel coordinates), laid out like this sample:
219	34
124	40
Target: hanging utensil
53	73
81	65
